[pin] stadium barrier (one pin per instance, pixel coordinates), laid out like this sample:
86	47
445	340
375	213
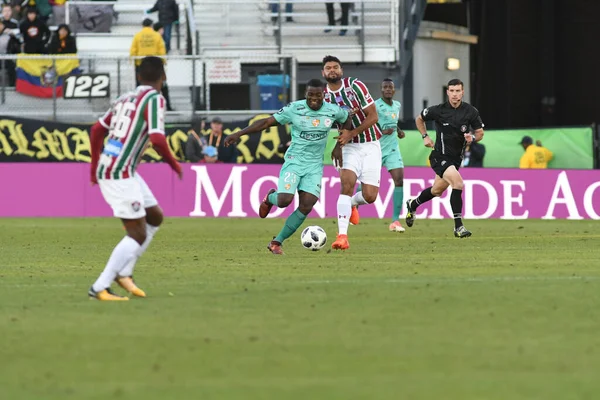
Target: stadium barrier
230	190
29	140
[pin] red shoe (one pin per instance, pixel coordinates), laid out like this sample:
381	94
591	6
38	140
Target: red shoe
275	247
265	206
341	243
354	216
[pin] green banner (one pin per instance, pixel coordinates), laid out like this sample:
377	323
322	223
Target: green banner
572	147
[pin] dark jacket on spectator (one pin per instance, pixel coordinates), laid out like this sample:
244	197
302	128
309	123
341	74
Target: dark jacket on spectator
193	148
35	35
9	44
62	46
168	11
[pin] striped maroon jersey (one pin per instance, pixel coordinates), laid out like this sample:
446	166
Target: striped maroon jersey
131	120
355	96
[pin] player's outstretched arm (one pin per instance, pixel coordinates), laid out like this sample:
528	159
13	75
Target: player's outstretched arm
478	134
257	126
159	143
97	134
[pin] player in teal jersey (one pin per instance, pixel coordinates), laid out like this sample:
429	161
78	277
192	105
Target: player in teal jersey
388	111
311	120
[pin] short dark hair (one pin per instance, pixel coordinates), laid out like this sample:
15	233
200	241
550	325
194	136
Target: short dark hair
31	10
317	83
147	22
327	59
455	81
151	69
388	80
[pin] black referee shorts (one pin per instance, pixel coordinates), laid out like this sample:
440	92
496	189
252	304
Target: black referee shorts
440	163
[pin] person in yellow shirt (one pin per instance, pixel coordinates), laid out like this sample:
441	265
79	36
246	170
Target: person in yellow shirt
149	42
536	156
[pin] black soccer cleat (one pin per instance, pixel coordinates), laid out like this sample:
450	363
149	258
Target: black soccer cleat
462	232
410	214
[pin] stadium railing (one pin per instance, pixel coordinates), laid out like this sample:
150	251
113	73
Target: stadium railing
188	77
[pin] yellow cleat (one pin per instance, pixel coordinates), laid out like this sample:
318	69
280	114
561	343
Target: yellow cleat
127	283
105	295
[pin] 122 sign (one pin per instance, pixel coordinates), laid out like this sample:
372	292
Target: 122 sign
87	86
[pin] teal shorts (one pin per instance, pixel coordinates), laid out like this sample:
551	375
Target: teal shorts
391	158
302	178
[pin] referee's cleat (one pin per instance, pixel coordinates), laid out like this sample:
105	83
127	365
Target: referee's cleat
265	206
461	232
410	214
105	295
127	283
275	247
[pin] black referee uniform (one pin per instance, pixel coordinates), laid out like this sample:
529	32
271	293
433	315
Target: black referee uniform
451	124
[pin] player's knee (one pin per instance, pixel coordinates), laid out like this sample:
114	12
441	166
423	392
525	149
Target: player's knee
305	208
436	192
155	218
459	185
399	182
370	197
284	200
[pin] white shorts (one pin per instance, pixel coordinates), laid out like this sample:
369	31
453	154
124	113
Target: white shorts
364	159
129	197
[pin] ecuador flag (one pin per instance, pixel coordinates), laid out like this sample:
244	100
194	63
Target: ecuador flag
35	77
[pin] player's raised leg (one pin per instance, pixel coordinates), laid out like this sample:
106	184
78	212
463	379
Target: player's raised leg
439	187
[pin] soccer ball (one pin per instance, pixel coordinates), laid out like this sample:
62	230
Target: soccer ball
313	238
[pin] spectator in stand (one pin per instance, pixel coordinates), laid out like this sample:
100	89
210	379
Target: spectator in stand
35	33
289	8
216	138
62	42
195	143
9	44
148	42
7	18
535	156
58	11
474	154
331	16
168	14
44	9
159	28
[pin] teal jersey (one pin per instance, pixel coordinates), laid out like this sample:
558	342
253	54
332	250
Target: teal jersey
388	118
310	130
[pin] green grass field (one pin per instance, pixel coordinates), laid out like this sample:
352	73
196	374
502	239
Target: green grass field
511	313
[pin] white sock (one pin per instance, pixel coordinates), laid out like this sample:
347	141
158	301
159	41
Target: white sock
121	255
344	208
128	269
358	199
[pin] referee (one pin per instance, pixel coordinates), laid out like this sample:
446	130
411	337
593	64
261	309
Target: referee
454	120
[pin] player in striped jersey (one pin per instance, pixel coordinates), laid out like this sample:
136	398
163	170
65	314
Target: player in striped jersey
134	120
359	147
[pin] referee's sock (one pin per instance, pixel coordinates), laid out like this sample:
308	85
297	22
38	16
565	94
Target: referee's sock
456	203
424	197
